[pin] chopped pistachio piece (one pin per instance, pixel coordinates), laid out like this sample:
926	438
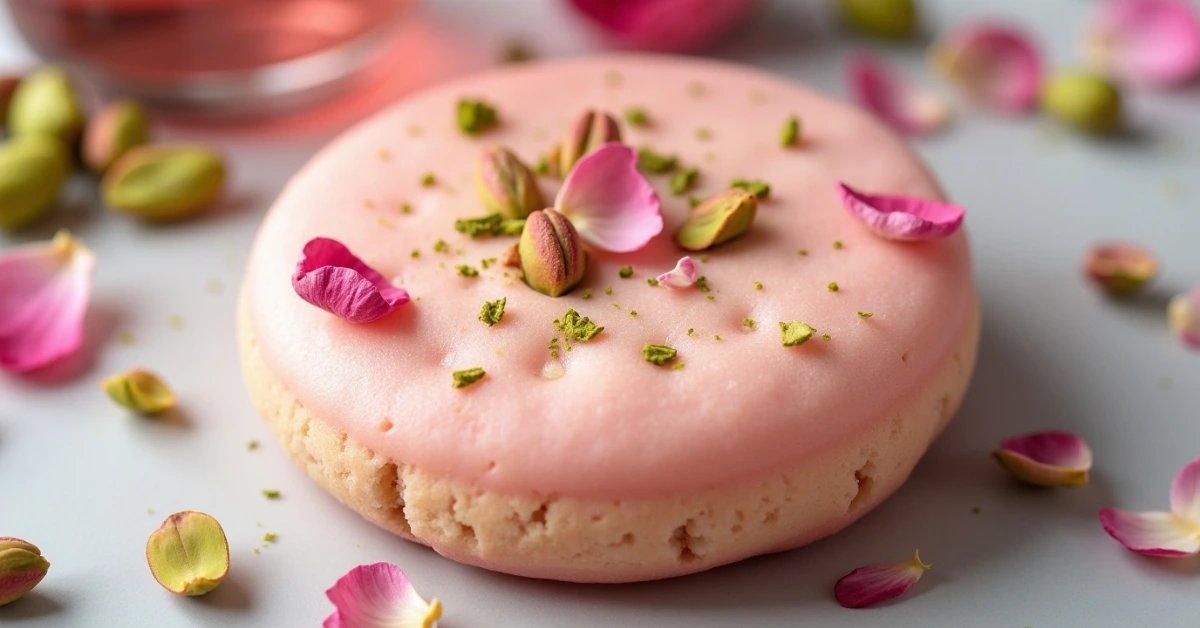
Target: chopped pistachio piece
694	201
826	337
795	333
516	52
633	313
757	187
691	331
587	294
758	285
576	327
838	245
428	180
678	366
608	290
802	252
749	323
415	253
833	287
270	493
491	224
711	298
467	271
475	116
252	445
270	537
652	281
636	116
703	134
866	314
658	354
493	311
683	180
790	133
655	163
542	167
626	272
440	246
467	377
702	284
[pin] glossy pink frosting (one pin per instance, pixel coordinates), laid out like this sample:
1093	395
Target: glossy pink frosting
614	426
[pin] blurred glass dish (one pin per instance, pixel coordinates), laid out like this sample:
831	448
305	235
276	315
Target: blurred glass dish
213	56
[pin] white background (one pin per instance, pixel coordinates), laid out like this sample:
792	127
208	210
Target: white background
77	474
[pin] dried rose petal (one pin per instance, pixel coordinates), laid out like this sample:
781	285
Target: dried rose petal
1046	458
997	66
330	277
875	583
1120	268
682	276
889	96
666	25
1183	314
1174	534
609	202
902	218
1149	42
379	596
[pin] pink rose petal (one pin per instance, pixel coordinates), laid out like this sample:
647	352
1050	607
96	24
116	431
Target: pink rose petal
682	276
44	293
609	202
379	596
1046	458
902	218
875	583
1183	315
1185	492
996	66
888	95
1152	533
330	277
1150	42
666	25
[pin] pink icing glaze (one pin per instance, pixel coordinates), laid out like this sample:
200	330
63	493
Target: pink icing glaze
614	426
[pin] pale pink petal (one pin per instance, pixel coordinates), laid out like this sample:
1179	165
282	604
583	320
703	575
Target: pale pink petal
667	25
889	95
1183	314
900	217
609	202
995	65
1151	42
330	277
1185	492
682	276
379	596
44	293
1046	458
1152	533
875	583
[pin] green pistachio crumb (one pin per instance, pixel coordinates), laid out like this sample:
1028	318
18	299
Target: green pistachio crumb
270	493
626	272
492	311
616	305
795	333
636	116
703	134
511	227
833	287
488	261
837	244
790	132
252	445
711	298
633	313
802	252
694	201
702	284
415	253
658	354
655	163
475	116
749	323
826	337
691	330
516	52
542	167
491	224
757	187
467	271
683	180
429	180
718	337
703	259
269	537
440	246
576	327
406	208
608	290
587	294
257	551
467	377
554	347
652	281
758	285
678	366
866	314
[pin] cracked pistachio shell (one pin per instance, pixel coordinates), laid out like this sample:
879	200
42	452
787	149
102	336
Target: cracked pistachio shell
505	185
32	171
718	219
140	391
22	567
881	18
552	257
45	103
117	129
188	554
164	183
1084	100
590	130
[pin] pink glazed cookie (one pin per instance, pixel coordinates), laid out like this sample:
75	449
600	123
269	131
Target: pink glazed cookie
596	465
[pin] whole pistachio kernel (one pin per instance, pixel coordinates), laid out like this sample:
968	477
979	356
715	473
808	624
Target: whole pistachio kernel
165	182
505	185
590	130
140	391
1084	100
45	103
117	129
795	333
32	171
881	18
22	567
719	219
551	254
1121	269
475	116
188	554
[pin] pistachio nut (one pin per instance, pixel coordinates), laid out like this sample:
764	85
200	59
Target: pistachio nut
45	103
140	391
164	183
1120	268
22	567
718	219
551	254
505	185
881	18
117	129
32	170
796	333
590	130
188	554
1085	100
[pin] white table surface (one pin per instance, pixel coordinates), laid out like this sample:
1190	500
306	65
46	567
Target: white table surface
77	474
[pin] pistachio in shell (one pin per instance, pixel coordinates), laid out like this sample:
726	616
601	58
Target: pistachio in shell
32	171
45	103
188	554
164	183
114	131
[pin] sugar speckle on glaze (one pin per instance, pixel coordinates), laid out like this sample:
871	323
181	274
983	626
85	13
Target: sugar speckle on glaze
595	443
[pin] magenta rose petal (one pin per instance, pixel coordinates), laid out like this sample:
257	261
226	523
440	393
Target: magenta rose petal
44	292
665	25
330	277
379	596
1174	534
1148	42
888	95
609	202
1046	458
996	66
682	276
902	218
875	583
1183	315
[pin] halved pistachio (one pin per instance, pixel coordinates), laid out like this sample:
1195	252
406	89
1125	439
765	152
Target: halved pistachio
718	219
590	130
140	391
1083	100
188	554
117	129
164	183
505	185
552	257
44	103
22	567
32	171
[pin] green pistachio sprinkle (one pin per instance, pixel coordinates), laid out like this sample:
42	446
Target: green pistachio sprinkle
833	287
608	290
702	284
626	272
542	166
491	224
492	311
757	187
652	281
683	180
655	163
658	354
711	298
576	327
802	252
691	331
415	253
465	378
269	537
257	551
678	366
467	271
252	445
795	333
749	323
475	116
270	493
703	259
718	337
516	52
636	116
694	201
633	313
790	132
826	337
429	180
866	314
837	244
487	262
616	305
587	294
758	285
406	208
440	246
554	347
703	134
